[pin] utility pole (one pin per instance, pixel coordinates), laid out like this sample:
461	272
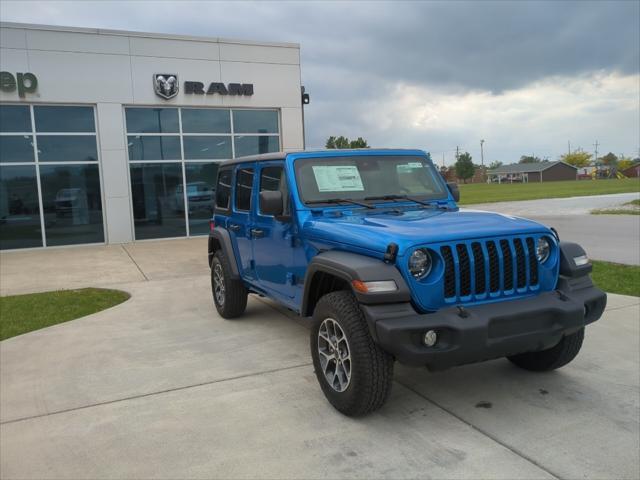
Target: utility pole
595	159
457	152
569	142
442	159
481	153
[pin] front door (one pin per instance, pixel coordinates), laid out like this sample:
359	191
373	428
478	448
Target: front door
272	238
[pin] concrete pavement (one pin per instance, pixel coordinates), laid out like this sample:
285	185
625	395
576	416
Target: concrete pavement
613	238
161	387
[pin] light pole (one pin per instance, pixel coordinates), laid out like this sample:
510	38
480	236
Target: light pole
482	158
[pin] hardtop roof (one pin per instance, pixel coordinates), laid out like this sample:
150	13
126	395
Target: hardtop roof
263	157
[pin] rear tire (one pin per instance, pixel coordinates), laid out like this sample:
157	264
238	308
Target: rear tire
552	358
229	295
356	376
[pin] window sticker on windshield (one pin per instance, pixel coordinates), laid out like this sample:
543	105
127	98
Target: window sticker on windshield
338	178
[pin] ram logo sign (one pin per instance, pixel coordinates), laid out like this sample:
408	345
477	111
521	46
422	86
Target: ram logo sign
165	85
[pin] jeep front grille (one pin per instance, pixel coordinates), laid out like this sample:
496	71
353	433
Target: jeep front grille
487	268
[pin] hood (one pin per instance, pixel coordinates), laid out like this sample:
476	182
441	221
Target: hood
374	230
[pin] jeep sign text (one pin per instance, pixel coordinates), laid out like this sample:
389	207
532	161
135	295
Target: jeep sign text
220	88
24	82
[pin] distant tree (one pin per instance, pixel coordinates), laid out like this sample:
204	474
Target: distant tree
359	143
495	164
464	167
610	159
529	159
342	142
577	158
625	162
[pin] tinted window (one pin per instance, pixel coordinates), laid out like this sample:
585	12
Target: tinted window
152	120
223	190
244	185
154	148
201	179
255	121
252	145
72	204
15	118
270	179
205	148
64	119
19	210
67	148
158	202
17	148
197	120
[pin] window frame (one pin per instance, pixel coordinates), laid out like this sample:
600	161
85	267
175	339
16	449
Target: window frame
237	169
34	135
227	209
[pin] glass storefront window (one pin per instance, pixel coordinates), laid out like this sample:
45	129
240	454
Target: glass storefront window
255	121
154	147
206	148
201	180
67	148
18	148
72	204
15	118
200	120
158	200
19	210
64	119
152	120
253	145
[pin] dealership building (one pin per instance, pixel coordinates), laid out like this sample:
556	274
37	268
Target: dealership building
112	137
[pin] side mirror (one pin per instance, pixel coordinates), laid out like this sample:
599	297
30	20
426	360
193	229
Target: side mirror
455	192
271	203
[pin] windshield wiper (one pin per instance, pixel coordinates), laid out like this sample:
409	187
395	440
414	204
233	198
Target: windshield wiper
407	197
341	200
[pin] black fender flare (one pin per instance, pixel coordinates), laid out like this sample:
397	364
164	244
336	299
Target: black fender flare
222	238
352	266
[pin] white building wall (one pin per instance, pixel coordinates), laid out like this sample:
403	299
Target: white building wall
112	69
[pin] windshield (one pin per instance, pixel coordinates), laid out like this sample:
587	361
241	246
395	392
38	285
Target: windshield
367	178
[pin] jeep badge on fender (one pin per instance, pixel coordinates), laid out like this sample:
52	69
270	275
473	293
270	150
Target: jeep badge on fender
370	247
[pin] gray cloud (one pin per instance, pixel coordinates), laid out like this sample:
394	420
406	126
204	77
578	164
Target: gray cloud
356	54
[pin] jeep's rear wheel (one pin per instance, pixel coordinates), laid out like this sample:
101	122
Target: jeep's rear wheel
353	371
552	358
229	295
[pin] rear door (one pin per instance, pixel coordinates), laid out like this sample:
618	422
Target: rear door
240	220
272	238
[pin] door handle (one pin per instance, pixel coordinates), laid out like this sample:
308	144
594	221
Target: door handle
233	227
257	232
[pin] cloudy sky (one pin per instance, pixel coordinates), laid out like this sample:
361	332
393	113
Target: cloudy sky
527	77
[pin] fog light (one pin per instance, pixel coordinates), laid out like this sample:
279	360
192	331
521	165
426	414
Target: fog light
430	338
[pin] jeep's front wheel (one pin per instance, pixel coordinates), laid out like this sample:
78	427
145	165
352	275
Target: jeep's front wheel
552	358
353	371
229	295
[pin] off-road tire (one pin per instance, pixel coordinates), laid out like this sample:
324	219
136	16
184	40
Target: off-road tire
235	293
371	367
552	358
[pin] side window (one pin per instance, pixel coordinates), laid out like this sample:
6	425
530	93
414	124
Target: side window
244	184
223	190
272	179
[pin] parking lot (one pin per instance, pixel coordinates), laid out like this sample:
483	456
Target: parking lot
161	387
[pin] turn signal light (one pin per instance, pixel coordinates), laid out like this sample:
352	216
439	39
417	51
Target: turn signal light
374	287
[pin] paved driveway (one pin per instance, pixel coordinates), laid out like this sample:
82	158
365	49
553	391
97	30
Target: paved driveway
161	387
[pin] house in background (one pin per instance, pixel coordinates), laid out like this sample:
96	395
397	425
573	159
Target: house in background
533	172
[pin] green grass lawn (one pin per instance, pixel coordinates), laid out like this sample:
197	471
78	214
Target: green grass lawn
616	278
493	192
24	313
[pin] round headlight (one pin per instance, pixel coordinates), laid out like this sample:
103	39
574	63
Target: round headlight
543	249
420	263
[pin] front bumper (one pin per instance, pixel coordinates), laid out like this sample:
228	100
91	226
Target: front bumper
486	331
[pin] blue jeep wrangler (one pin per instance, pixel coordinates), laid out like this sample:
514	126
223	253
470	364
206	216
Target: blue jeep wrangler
370	246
